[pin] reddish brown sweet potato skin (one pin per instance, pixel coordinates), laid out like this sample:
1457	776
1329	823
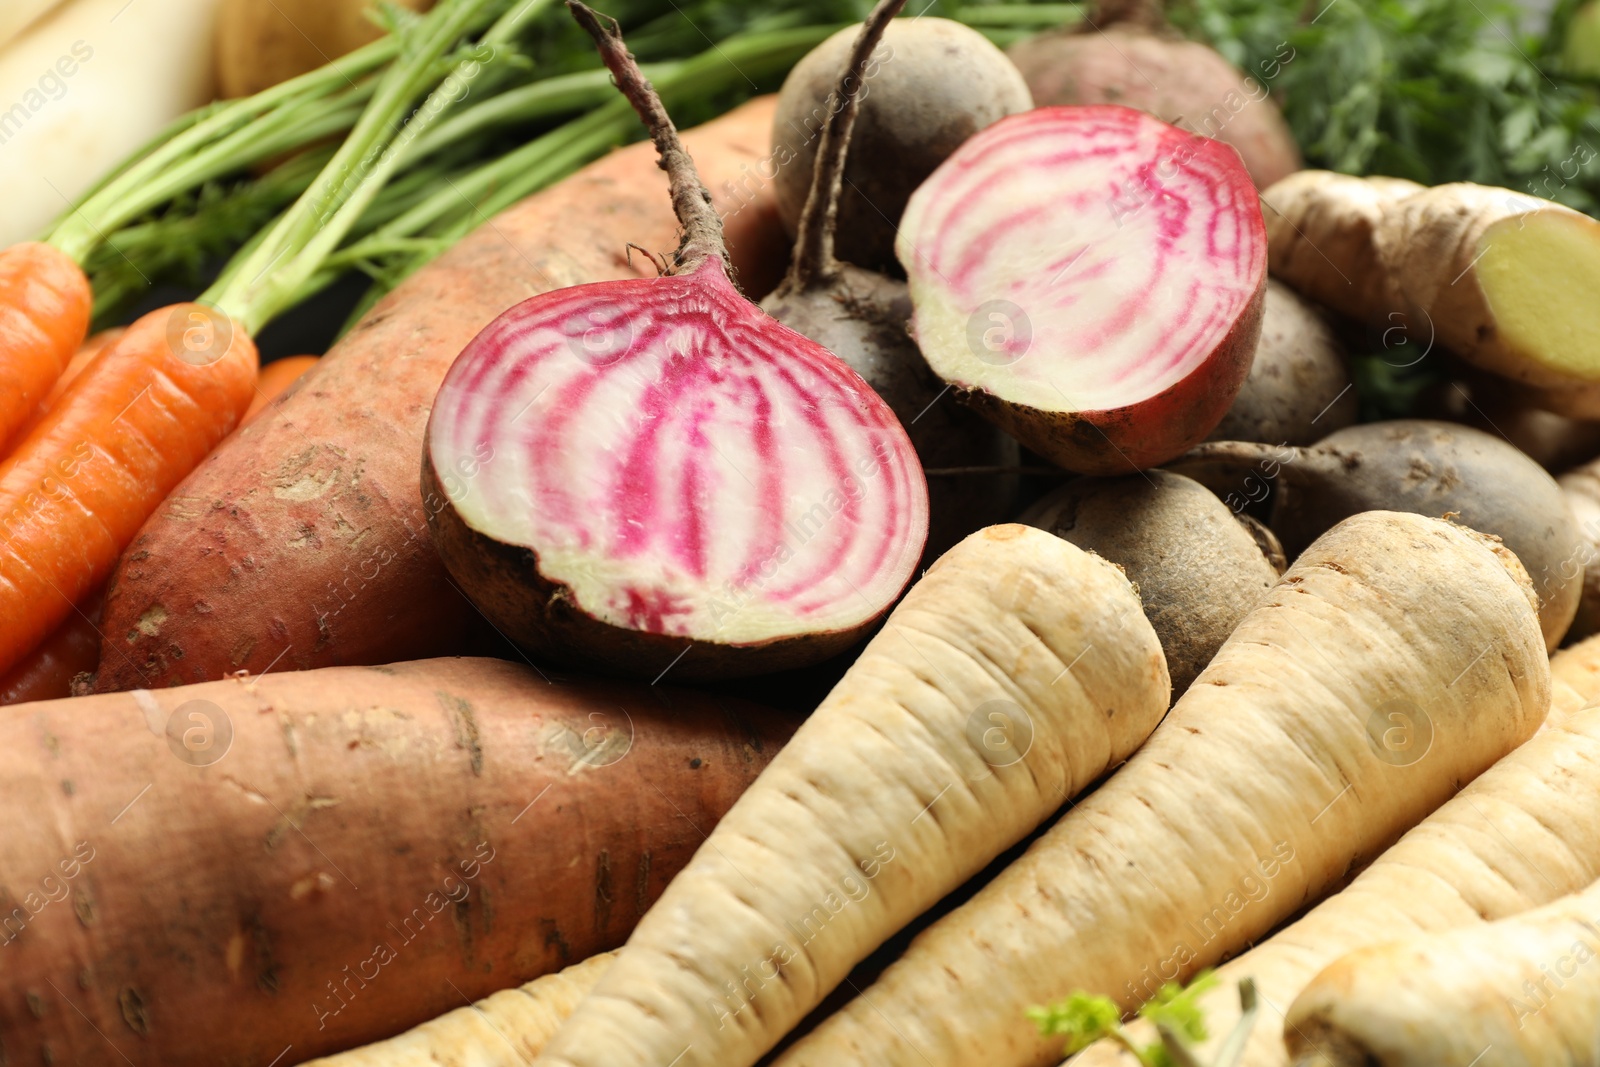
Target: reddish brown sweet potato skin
304	535
377	845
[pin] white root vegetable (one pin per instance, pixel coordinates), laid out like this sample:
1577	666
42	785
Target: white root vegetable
1270	780
506	1029
1524	990
1519	836
1015	673
79	93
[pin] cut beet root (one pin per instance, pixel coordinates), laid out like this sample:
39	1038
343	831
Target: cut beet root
643	475
1091	279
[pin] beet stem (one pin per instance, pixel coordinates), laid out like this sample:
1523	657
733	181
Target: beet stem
814	263
691	200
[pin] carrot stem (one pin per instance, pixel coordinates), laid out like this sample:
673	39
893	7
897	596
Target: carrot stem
293	250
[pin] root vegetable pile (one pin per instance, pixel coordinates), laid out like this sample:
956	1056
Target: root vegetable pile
1429	468
619	473
924	763
861	316
1091	279
1265	785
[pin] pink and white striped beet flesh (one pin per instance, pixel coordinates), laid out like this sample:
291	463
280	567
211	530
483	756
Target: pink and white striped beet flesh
635	468
1092	279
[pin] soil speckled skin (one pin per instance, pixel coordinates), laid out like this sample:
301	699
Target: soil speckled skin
339	854
1197	569
935	84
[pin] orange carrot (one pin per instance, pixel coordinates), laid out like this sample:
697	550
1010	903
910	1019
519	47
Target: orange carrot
276	378
47	672
91	348
44	316
127	430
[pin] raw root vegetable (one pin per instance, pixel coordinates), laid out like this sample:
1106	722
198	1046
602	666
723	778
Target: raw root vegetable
323	499
44	315
861	316
1126	53
931	85
274	380
1299	387
507	1029
90	349
1520	835
1501	279
1581	487
1197	569
259	45
651	474
1555	442
1429	468
139	418
1322	240
1517	991
1091	280
1014	674
65	658
316	860
1263	787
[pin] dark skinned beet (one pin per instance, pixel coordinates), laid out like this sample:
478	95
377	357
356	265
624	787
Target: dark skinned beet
1428	468
861	316
931	84
1198	570
652	475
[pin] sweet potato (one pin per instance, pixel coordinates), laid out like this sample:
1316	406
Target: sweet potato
304	536
299	863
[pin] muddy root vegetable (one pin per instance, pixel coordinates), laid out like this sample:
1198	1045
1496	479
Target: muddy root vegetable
1091	280
931	85
1126	53
507	1029
1429	468
1520	990
1499	278
907	780
1299	387
1516	838
251	848
861	316
1198	571
652	474
1260	790
1581	486
320	553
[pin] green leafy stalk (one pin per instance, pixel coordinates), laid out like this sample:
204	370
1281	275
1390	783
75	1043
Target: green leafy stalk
1175	1011
318	221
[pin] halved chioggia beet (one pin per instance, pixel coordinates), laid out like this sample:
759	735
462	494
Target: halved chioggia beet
1092	280
652	474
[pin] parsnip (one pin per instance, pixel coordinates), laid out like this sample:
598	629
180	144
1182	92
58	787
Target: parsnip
1276	774
1524	990
1015	673
506	1029
1520	835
